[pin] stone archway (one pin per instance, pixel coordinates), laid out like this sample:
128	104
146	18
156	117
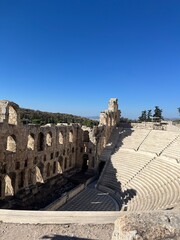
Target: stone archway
39	174
40	142
9	184
85	162
12	116
11	143
21	179
30	144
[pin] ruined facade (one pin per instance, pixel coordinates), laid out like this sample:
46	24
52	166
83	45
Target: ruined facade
31	155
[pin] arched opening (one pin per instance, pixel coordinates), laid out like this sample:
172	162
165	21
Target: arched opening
60	165
65	163
12	116
30	176
70	161
39	174
11	143
9	185
49	139
85	162
71	136
30	144
48	170
86	136
40	142
26	163
21	178
61	138
59	168
54	167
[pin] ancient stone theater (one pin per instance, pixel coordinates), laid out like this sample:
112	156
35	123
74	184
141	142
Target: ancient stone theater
124	168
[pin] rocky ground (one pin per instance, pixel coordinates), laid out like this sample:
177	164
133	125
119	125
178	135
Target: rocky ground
9	231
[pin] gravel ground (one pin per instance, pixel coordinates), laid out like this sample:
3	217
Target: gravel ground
9	231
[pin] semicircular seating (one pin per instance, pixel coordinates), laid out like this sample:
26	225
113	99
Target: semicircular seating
144	173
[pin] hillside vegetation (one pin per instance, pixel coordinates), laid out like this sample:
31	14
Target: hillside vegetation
41	118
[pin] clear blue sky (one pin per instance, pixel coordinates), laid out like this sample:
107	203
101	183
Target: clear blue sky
73	55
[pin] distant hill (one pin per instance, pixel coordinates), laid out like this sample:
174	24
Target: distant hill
41	118
96	118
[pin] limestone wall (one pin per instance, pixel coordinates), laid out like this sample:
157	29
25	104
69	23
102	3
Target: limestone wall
108	120
32	154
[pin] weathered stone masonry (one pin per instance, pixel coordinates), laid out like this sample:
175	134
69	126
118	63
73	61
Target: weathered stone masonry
31	154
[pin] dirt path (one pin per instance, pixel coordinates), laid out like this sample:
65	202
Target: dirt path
9	231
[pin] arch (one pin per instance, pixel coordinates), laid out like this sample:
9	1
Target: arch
70	161
12	116
26	163
86	136
9	185
60	164
85	162
59	167
65	163
61	137
30	176
54	167
51	156
48	170
21	178
11	143
30	144
71	136
40	142
49	139
39	173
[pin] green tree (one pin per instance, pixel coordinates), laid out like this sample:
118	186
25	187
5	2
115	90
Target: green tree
157	114
149	115
179	110
143	116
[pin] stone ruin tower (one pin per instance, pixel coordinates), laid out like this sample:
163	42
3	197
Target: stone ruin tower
8	112
111	116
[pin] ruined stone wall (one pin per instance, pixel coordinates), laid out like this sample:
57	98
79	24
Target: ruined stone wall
32	154
108	120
